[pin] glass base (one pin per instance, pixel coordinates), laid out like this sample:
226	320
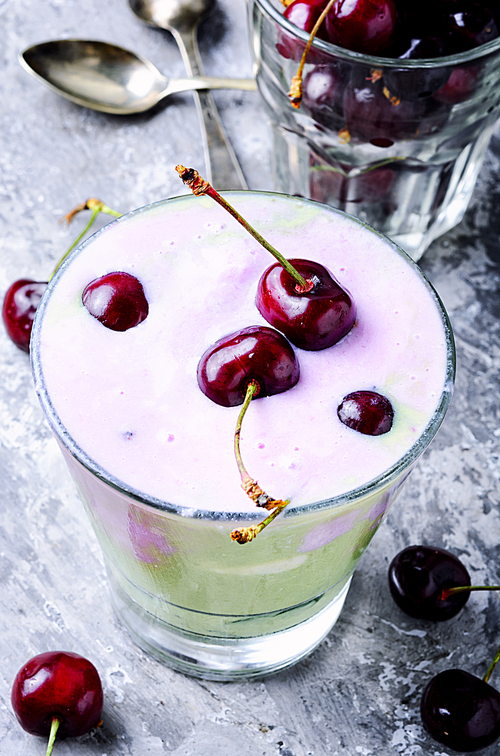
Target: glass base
222	659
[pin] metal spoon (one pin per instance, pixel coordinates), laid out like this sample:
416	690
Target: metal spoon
181	18
108	78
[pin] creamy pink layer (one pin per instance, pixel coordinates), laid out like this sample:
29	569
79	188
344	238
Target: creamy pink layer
131	399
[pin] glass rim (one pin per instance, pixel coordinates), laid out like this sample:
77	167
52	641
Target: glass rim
377	61
369	488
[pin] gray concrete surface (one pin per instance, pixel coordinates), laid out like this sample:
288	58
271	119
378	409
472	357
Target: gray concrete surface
358	693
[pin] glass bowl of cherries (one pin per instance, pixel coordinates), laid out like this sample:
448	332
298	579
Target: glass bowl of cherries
389	112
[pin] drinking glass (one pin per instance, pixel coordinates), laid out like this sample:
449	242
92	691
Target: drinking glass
398	143
186	593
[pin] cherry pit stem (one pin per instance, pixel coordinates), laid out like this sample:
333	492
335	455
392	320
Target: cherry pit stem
296	91
446	592
52	735
492	666
248	484
199	186
91	204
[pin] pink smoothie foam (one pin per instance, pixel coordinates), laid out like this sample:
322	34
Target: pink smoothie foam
131	401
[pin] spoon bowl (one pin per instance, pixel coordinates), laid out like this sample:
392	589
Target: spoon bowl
105	77
181	18
171	14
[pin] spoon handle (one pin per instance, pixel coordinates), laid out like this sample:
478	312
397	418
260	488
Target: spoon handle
174	86
222	167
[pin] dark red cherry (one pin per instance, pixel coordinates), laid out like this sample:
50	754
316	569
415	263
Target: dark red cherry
399	28
323	90
19	309
416	83
460	85
117	300
373	115
418	575
303	14
366	412
469	25
414	43
461	711
254	353
311	320
57	684
365	26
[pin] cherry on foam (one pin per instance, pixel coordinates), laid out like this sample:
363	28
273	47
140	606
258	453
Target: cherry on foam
461	711
417	577
365	26
367	412
23	296
251	363
298	297
256	353
311	320
117	300
57	685
19	309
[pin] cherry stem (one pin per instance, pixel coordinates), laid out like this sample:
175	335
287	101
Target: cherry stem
446	592
248	484
245	535
492	666
91	204
52	735
295	93
199	186
252	389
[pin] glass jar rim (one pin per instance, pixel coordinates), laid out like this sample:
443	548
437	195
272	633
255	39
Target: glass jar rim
369	488
376	61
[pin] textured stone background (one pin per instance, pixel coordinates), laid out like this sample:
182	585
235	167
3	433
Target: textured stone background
358	693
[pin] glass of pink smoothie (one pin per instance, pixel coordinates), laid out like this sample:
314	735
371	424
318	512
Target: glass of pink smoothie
152	456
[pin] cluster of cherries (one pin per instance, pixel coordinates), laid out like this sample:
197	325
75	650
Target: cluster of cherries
57	693
458	709
313	320
401	28
382	105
